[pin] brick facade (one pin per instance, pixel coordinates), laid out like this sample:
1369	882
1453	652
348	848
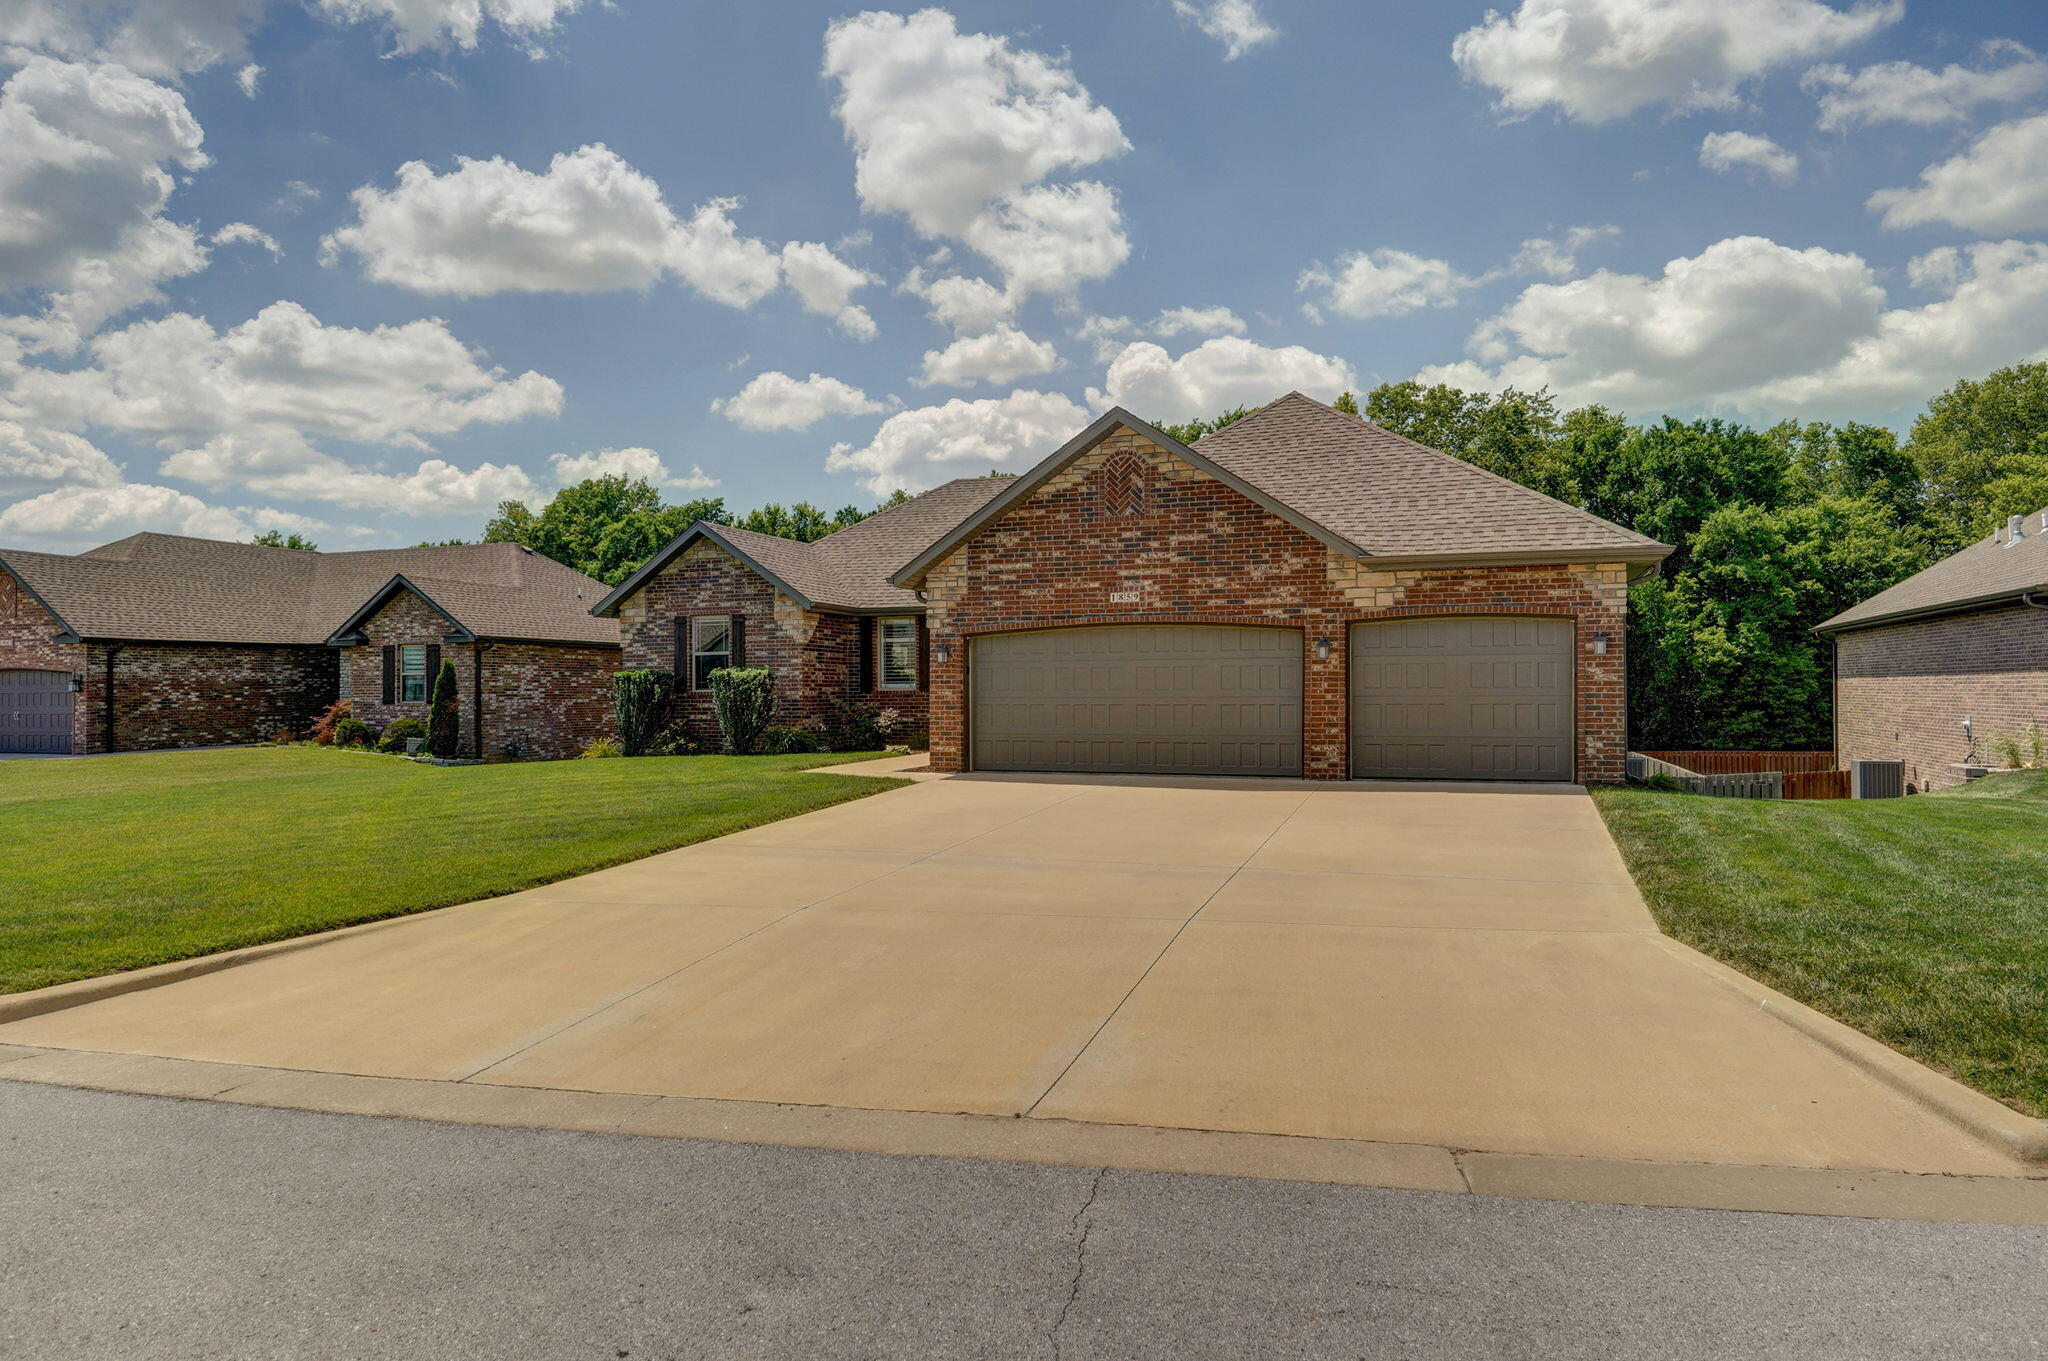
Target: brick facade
1903	690
816	657
169	695
27	634
546	701
1104	542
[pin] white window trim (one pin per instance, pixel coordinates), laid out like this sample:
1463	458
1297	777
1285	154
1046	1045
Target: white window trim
697	652
406	652
882	626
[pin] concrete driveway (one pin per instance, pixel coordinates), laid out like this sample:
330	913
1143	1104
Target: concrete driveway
1465	967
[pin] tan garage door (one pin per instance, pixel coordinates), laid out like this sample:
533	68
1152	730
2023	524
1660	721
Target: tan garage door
1469	698
35	712
1156	698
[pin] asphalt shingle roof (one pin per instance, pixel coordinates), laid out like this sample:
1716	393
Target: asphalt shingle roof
167	588
1395	498
1988	570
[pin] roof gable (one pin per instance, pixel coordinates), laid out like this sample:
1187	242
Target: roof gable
1105	425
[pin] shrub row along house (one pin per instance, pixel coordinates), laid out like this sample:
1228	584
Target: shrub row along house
1948	670
1298	593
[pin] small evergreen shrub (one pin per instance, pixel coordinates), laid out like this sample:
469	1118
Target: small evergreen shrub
785	741
679	739
353	732
743	697
394	738
603	747
322	731
444	717
640	708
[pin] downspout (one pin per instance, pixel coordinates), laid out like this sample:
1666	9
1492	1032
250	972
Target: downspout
113	651
476	695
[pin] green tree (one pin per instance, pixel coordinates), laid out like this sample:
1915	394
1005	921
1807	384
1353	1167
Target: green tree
803	521
1347	402
1851	460
1512	433
277	538
605	527
1187	432
1665	480
1980	432
444	716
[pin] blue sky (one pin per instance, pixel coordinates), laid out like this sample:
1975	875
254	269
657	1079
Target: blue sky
802	251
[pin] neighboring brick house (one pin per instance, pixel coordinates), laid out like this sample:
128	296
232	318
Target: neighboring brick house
160	641
533	667
1301	592
822	616
1966	639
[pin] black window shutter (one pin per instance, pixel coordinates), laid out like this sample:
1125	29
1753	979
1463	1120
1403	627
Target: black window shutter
924	655
433	669
867	654
390	674
682	667
739	640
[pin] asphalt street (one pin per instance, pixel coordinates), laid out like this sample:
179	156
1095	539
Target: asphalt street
136	1226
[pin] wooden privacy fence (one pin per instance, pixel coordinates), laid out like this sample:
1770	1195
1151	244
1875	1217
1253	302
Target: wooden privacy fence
1746	774
1747	762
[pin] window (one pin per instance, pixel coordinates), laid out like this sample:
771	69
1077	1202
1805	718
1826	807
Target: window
896	664
412	675
710	648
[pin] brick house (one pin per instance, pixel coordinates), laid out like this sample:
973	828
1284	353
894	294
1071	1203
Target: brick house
1966	640
1299	593
159	641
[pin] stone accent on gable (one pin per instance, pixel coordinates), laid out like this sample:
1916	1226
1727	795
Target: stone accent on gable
1195	551
815	656
1903	690
546	701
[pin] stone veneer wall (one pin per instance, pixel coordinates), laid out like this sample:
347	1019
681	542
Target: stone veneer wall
1903	690
27	631
550	700
814	655
1198	552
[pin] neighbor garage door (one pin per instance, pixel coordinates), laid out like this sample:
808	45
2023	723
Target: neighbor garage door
1159	698
35	712
1470	698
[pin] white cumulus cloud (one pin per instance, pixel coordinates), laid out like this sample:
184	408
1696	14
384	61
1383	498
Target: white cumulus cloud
827	284
1237	24
162	38
415	25
1596	60
1384	283
1997	184
248	79
921	447
636	462
1200	321
776	401
958	132
247	234
1217	375
1725	152
999	356
33	459
1899	91
589	223
87	155
76	517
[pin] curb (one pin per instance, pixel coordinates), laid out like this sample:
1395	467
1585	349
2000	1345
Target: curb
1976	1114
62	996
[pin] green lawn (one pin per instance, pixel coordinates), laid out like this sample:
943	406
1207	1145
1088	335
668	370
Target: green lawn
121	861
1920	921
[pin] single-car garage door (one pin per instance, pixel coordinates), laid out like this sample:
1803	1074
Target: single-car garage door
1468	698
35	712
1154	698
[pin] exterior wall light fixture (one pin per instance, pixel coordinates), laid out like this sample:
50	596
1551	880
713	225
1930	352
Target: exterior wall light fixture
942	652
1322	649
77	682
1600	645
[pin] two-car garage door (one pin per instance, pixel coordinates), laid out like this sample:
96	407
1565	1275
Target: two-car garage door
1467	697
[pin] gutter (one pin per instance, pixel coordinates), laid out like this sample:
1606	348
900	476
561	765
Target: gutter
2021	596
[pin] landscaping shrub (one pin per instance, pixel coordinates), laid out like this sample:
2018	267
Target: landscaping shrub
679	739
640	706
283	737
444	717
785	741
743	697
602	747
395	736
322	730
353	732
